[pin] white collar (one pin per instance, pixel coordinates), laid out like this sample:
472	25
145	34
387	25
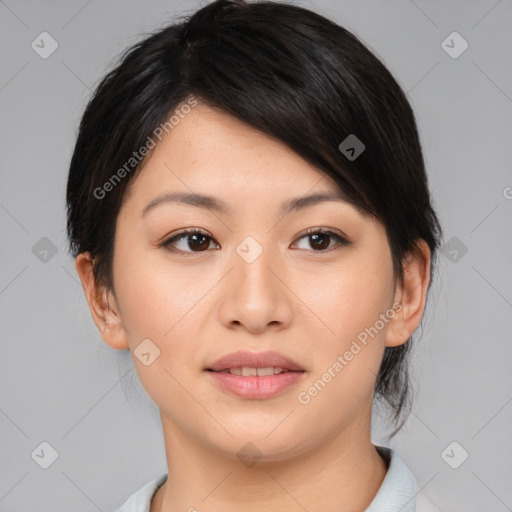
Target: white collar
398	490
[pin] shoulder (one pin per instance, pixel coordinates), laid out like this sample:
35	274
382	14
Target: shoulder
140	501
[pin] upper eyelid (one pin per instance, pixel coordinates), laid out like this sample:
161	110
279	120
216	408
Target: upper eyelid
309	231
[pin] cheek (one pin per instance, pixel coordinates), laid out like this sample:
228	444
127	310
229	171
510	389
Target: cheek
348	298
160	304
348	352
172	305
349	303
156	299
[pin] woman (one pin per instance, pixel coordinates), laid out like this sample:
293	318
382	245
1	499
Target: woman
250	217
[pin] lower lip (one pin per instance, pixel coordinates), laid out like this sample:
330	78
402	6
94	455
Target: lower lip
254	387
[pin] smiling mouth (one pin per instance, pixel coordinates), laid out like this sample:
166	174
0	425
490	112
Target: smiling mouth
255	372
255	383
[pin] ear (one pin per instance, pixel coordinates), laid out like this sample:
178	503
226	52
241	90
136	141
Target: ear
102	303
411	294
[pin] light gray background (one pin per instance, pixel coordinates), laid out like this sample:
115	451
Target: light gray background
61	384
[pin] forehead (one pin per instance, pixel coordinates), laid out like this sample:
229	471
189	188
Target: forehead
210	150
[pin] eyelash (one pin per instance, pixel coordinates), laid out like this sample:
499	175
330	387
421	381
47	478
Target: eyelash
342	241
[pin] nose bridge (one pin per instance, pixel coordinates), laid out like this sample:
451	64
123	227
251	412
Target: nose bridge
252	262
256	297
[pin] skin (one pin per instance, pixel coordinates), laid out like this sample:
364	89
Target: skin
306	303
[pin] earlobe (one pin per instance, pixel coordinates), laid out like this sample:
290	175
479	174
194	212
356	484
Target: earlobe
102	305
411	294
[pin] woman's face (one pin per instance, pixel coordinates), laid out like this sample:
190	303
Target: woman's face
252	280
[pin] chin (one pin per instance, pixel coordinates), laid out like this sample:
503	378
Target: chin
251	446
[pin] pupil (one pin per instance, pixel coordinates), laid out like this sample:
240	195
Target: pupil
320	236
198	246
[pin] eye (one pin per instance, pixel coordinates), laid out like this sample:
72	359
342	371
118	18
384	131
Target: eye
319	239
195	240
198	241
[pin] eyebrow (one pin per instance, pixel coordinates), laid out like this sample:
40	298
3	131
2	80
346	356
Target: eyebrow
216	205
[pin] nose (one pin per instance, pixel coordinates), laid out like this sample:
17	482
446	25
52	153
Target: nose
255	295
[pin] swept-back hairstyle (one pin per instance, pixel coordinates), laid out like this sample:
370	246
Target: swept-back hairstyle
287	72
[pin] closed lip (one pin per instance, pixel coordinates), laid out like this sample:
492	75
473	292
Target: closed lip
247	359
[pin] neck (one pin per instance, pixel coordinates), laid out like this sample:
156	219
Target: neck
201	478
